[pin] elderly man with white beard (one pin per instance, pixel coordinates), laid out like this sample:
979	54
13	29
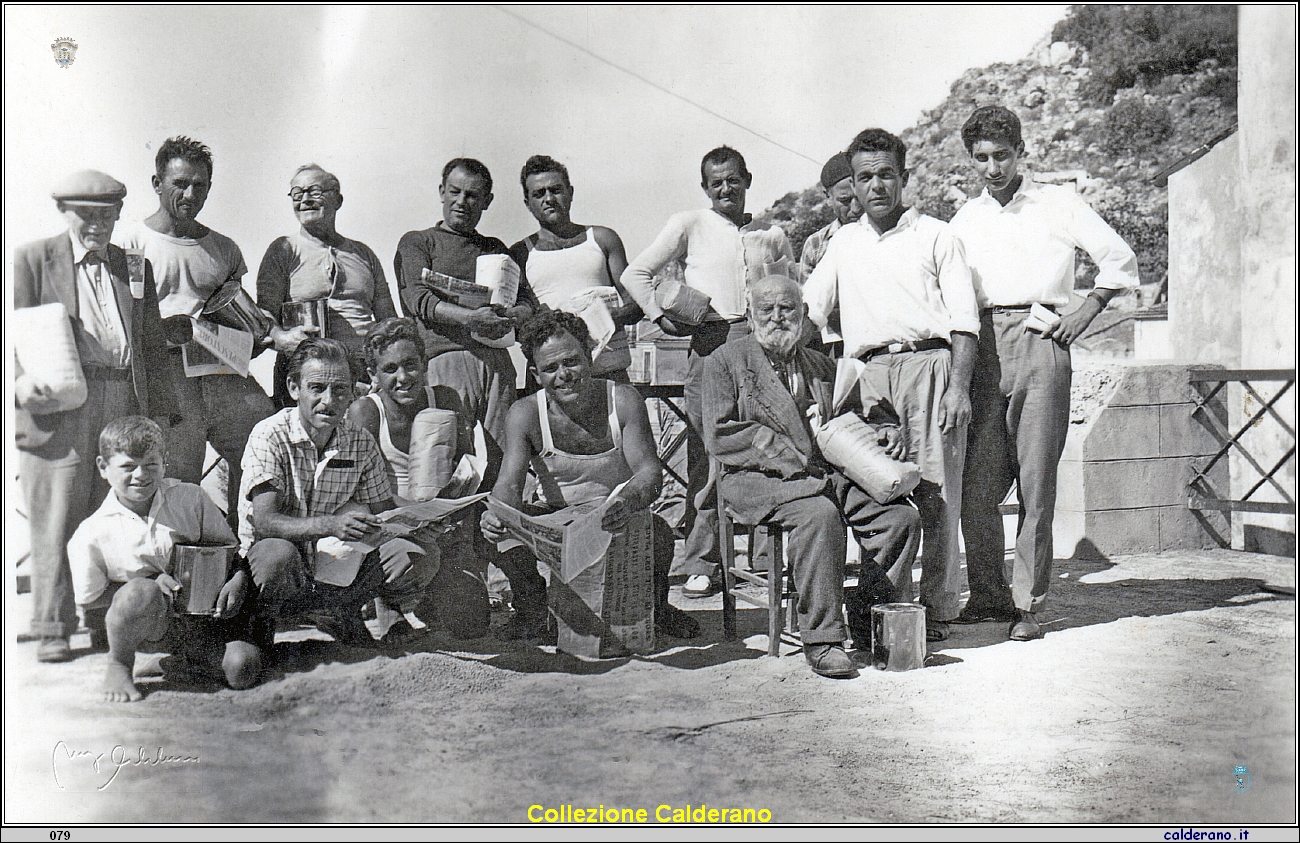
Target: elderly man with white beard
758	391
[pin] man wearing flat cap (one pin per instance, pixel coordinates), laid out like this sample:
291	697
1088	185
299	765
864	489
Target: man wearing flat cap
121	349
837	184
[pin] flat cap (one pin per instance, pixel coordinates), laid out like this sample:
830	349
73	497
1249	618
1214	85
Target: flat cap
89	187
836	170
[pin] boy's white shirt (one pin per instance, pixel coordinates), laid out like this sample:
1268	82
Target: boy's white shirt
114	544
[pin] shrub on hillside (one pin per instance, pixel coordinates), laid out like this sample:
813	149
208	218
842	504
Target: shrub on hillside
1134	125
1132	43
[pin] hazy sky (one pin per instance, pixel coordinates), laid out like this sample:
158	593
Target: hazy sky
384	96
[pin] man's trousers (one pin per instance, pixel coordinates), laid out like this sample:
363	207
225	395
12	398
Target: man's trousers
1020	397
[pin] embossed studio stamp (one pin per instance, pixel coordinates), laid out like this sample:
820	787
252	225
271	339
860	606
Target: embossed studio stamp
65	51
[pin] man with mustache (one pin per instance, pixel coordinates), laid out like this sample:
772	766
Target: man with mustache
908	312
721	250
758	391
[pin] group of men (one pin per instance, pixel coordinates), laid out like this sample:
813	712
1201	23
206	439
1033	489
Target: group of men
932	313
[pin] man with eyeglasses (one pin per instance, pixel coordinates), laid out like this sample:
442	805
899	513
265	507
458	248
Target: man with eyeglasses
121	350
318	263
191	262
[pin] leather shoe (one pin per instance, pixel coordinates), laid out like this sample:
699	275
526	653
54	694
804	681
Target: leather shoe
54	649
698	586
829	660
1025	629
975	614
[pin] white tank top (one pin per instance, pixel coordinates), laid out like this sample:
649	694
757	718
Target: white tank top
557	276
399	462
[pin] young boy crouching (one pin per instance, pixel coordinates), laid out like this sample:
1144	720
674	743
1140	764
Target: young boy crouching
121	560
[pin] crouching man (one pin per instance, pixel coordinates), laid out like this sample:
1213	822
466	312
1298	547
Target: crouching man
122	572
757	394
584	437
310	474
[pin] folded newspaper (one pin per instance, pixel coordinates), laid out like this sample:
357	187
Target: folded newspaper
600	588
337	561
217	350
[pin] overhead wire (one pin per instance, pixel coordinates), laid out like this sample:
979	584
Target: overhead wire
654	84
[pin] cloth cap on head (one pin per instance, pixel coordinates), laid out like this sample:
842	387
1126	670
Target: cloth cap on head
89	187
836	170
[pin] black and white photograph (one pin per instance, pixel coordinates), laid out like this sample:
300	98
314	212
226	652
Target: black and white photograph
651	416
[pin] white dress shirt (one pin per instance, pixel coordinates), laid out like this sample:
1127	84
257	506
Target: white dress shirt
909	284
1024	253
115	545
105	341
720	260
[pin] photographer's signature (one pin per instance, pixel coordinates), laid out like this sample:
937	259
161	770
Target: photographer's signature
113	761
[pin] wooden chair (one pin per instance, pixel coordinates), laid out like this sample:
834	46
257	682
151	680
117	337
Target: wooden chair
777	581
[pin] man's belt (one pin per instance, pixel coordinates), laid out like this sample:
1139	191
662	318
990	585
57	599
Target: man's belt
93	372
1016	308
902	347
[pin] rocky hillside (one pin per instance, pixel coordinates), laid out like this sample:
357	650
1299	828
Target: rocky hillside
1114	96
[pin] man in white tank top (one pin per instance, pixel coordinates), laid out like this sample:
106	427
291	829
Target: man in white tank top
564	259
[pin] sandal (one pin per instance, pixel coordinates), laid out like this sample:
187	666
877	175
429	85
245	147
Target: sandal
936	631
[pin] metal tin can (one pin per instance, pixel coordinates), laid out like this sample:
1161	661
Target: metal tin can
202	573
898	636
304	314
231	306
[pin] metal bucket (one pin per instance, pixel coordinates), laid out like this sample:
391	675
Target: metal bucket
202	573
231	306
304	314
898	636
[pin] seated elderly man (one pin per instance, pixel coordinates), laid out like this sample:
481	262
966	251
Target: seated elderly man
584	436
318	263
758	391
311	474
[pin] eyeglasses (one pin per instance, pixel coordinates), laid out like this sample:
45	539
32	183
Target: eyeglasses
314	192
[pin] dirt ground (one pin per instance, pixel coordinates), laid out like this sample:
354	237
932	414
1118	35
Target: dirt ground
1158	676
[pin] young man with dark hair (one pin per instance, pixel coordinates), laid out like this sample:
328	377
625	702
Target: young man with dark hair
1020	239
584	437
121	349
908	313
564	259
722	250
484	376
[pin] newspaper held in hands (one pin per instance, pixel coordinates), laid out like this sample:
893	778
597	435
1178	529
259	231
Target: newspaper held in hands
337	561
217	350
600	583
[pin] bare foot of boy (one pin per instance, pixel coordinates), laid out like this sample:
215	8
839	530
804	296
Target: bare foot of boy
118	686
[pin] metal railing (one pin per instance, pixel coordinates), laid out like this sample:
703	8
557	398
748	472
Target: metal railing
1206	385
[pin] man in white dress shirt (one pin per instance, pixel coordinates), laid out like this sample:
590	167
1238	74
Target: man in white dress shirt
908	313
1020	239
722	250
